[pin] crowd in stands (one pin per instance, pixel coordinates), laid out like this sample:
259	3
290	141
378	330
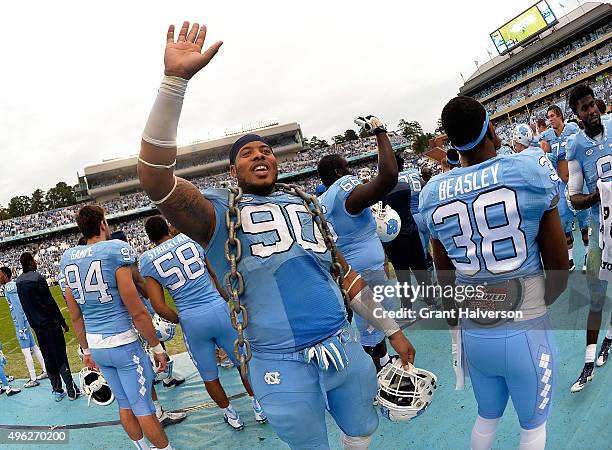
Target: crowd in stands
601	87
580	42
65	216
48	251
182	162
554	78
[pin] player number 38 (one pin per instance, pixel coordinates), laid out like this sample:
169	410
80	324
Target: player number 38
493	237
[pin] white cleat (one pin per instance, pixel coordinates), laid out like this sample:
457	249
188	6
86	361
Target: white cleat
259	413
585	377
604	352
232	418
31	383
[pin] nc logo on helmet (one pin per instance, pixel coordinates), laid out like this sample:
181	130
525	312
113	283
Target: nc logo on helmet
392	226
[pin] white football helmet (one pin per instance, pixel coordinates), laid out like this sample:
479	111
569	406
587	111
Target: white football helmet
522	134
95	387
159	376
404	394
163	329
388	222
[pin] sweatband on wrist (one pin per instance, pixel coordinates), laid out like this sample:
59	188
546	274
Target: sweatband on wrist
162	125
158	348
86	351
373	312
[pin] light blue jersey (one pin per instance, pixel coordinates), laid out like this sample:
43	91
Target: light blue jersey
178	265
412	177
357	238
89	272
487	216
291	298
558	144
358	242
595	159
19	318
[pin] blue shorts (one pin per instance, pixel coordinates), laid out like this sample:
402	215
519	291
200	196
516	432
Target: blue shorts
514	360
584	218
28	342
597	288
129	374
203	330
565	214
293	394
423	232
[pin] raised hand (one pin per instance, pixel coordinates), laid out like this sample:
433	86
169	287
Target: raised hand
184	58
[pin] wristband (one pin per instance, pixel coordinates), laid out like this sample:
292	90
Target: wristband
86	351
158	348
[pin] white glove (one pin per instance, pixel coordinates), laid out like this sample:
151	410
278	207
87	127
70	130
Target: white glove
371	124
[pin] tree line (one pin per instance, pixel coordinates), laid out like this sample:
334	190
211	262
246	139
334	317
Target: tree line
59	196
417	139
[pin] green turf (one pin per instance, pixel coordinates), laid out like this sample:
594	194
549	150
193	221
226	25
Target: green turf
16	363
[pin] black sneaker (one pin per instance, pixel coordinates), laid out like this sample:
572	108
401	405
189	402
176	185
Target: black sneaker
587	374
174	382
572	266
76	394
604	352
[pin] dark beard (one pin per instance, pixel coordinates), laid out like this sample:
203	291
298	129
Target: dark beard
260	190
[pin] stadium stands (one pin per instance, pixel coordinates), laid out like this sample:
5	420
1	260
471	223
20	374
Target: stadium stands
48	250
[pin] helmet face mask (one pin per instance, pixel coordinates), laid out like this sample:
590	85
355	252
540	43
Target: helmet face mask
404	394
94	385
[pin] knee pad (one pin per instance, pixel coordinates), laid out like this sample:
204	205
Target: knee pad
356	442
483	433
534	439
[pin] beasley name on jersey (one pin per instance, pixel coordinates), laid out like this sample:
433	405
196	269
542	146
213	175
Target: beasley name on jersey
290	296
12	298
178	265
487	216
412	177
89	272
356	233
558	144
595	159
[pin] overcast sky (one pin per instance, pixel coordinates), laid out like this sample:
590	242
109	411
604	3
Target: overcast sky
79	78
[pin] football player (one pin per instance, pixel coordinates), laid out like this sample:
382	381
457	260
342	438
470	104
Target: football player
589	154
493	222
297	327
406	251
416	180
165	417
556	137
5	387
22	329
346	204
178	263
103	304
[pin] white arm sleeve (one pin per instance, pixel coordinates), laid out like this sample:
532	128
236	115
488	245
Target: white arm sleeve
164	117
373	312
576	178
